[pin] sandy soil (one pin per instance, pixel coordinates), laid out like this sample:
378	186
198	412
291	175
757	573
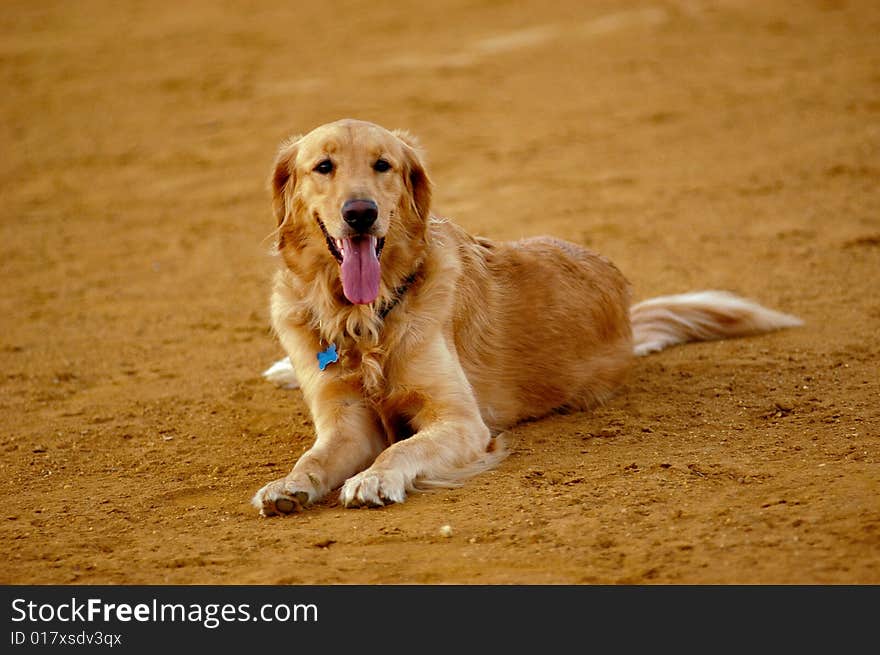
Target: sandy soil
730	145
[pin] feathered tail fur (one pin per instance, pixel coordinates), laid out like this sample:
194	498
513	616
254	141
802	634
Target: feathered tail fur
700	316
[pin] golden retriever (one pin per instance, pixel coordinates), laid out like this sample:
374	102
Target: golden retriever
414	343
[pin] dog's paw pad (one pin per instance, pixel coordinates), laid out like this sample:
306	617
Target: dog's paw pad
296	503
278	498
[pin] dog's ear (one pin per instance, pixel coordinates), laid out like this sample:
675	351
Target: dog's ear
416	177
283	176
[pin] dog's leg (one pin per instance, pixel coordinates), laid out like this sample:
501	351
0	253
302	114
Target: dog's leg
282	374
349	437
440	455
451	441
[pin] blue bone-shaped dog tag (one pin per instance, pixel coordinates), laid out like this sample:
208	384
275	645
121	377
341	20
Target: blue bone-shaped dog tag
327	357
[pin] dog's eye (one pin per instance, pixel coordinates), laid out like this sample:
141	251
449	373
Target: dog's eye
381	166
324	167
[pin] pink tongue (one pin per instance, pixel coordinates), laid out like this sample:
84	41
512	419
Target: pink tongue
360	270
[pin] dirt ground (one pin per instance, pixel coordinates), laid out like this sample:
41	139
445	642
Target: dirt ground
731	145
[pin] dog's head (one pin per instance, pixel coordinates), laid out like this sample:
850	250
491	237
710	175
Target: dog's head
351	196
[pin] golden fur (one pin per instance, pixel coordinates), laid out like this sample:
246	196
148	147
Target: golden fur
478	335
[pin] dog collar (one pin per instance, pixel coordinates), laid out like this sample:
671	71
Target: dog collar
399	292
330	354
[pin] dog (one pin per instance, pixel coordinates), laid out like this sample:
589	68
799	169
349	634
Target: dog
416	344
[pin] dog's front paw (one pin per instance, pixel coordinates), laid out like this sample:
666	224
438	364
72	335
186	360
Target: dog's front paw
373	489
284	496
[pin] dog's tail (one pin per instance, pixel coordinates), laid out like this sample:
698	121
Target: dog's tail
700	316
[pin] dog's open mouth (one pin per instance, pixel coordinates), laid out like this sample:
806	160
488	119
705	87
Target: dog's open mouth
358	258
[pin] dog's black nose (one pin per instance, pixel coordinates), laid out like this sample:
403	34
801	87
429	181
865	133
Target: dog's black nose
360	214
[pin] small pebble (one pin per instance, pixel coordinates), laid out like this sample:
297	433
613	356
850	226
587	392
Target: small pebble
446	531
